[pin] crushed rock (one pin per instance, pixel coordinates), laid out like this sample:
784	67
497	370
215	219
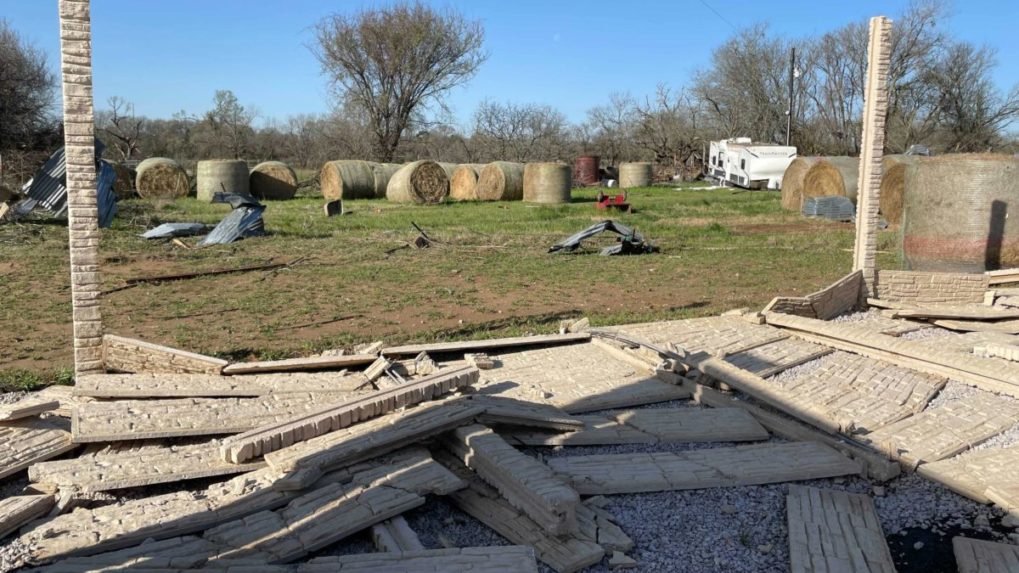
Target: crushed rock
858	316
927	333
11	397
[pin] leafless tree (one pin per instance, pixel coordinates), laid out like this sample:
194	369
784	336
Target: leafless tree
524	132
122	128
611	127
229	124
392	61
667	127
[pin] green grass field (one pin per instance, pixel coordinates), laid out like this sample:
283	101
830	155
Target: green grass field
489	275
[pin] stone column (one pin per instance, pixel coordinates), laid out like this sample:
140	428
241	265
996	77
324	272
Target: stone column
875	109
82	208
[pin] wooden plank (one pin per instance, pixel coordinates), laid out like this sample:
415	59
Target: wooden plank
130	355
147	419
489	344
277	435
29	441
577	378
564	554
878	467
973	472
526	483
395	535
20	509
300	364
979	556
153	465
187	385
701	469
986	373
306	461
944	431
650	426
835	531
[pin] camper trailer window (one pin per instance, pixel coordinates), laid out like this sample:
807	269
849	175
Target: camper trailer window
742	163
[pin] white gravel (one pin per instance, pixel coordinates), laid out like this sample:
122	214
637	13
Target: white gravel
926	333
857	316
11	397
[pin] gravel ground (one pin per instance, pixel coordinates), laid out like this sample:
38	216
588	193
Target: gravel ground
11	397
857	316
927	333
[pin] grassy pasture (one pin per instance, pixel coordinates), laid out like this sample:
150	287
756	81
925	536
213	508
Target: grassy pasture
489	276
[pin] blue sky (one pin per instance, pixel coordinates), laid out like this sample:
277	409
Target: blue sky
165	56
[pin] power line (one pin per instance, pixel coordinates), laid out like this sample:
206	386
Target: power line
720	16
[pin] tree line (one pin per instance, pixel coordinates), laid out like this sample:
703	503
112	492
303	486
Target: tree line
389	68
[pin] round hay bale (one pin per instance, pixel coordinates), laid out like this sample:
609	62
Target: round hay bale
501	181
634	175
792	182
449	168
959	213
463	185
347	179
273	180
161	178
547	183
893	183
123	186
833	176
381	174
221	175
421	182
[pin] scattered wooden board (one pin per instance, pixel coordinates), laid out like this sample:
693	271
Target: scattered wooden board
300	364
490	344
20	509
152	465
162	385
835	531
147	419
701	469
30	441
277	435
650	426
526	483
942	432
978	556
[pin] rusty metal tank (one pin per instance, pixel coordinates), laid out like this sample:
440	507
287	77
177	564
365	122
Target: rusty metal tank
585	170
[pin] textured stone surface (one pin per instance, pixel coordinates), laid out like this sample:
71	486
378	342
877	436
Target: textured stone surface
875	110
395	535
649	426
700	469
576	378
835	531
492	343
25	442
147	466
20	509
973	472
130	355
31	405
294	364
824	304
526	483
1003	351
931	288
944	431
978	556
282	434
177	385
146	419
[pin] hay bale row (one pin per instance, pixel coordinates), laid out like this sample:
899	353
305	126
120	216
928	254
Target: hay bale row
422	182
348	179
893	184
463	185
381	174
501	181
636	174
547	183
221	175
792	182
161	178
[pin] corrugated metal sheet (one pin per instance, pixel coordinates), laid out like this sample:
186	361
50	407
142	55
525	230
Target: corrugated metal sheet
244	221
48	188
107	199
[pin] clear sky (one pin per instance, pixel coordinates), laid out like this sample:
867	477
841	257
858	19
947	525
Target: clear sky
169	55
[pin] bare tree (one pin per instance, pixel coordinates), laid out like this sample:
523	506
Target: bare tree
667	127
122	126
230	124
519	132
611	127
392	61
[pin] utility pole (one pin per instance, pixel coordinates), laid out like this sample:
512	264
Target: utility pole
789	110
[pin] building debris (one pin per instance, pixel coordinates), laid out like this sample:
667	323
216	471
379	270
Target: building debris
395	535
20	509
30	441
300	364
834	530
489	344
155	385
629	242
171	230
245	220
980	556
130	355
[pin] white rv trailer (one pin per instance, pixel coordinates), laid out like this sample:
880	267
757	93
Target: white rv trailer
749	165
